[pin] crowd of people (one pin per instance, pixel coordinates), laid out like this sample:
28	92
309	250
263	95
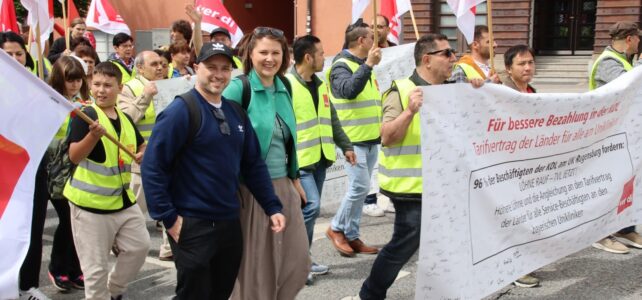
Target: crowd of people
233	170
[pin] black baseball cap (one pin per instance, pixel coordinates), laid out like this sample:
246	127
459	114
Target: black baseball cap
210	49
220	30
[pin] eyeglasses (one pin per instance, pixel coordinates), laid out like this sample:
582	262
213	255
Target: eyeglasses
222	123
448	52
268	30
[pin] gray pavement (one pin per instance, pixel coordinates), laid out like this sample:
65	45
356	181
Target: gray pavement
588	274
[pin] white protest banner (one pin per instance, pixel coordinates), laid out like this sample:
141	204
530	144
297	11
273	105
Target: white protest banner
168	89
396	62
515	181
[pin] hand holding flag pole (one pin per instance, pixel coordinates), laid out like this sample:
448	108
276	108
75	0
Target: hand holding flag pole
489	9
110	137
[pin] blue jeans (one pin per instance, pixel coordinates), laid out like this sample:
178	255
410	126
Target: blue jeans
393	256
312	183
348	216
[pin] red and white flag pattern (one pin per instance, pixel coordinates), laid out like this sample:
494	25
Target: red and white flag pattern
358	7
40	12
215	15
465	12
8	21
393	10
104	17
27	127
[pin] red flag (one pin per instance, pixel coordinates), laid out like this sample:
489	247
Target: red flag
215	15
393	10
72	12
8	20
103	16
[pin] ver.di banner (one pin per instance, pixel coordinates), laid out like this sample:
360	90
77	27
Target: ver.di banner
513	181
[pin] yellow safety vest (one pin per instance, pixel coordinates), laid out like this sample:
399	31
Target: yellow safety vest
400	164
170	70
470	72
313	127
607	53
237	61
127	76
64	128
361	116
101	185
146	124
47	68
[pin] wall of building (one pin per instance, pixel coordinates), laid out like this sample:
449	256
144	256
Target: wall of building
611	11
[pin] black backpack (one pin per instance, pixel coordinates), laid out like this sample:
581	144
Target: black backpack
247	90
59	168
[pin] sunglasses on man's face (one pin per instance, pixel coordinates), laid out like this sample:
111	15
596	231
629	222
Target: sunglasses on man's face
222	122
268	31
448	52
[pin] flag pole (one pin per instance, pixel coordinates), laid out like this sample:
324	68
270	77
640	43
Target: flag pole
414	22
489	11
87	119
64	21
374	23
41	72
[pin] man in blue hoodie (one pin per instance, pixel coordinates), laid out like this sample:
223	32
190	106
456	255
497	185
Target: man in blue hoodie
191	185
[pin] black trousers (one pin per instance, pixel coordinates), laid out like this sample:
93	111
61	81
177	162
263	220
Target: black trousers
207	257
64	260
30	270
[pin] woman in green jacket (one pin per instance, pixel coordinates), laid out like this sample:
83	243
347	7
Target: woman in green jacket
274	265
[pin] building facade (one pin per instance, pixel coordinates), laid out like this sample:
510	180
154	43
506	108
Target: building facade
551	27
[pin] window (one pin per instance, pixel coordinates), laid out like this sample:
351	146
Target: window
447	23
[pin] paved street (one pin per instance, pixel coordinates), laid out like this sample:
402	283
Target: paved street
589	274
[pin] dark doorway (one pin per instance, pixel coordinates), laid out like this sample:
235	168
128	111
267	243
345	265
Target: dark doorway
253	13
565	27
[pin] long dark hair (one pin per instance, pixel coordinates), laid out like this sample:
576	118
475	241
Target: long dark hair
65	69
10	36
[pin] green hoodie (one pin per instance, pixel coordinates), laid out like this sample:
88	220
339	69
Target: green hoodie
262	112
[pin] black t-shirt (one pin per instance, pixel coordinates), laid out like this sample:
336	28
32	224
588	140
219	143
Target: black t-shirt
312	87
79	129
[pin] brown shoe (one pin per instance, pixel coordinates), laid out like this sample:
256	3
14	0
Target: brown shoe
359	247
339	242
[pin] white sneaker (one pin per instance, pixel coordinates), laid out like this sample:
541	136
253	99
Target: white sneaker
390	208
33	294
373	210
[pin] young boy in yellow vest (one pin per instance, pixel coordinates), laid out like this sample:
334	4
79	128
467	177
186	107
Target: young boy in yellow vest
103	207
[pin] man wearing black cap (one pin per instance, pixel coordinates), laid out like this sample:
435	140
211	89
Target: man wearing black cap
222	35
613	62
191	181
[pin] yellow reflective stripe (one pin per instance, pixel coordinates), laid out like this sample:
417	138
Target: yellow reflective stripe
98	190
357	122
102	170
401	150
399	173
353	104
312	123
315	142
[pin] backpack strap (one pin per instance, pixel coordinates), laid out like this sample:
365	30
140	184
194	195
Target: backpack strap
247	91
194	112
287	84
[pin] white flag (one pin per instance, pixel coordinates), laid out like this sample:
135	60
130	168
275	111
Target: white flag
465	12
104	17
358	7
30	114
39	14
